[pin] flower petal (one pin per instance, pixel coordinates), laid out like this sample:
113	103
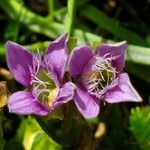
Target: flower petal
65	94
56	57
87	105
19	60
116	50
79	59
23	103
124	91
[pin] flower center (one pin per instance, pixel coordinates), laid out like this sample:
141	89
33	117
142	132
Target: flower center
100	76
44	87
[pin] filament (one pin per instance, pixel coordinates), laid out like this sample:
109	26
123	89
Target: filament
101	75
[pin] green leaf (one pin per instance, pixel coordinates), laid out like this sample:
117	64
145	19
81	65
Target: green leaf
52	127
42	25
11	32
138	54
140	126
42	141
111	25
36	139
38	24
141	71
30	136
2	50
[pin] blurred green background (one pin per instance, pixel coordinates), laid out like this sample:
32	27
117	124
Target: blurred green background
34	23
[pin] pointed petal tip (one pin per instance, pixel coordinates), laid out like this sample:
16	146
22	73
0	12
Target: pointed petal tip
56	57
19	67
123	92
91	116
40	113
9	44
64	35
118	44
140	100
116	50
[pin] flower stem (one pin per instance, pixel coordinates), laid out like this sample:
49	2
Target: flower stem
71	13
51	9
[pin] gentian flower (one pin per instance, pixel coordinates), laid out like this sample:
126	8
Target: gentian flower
43	77
99	77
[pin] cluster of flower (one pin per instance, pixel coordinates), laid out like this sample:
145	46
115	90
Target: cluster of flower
55	77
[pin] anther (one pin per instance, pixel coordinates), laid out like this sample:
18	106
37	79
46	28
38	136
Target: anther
101	76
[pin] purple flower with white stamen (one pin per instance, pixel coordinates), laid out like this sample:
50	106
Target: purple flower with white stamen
99	77
43	77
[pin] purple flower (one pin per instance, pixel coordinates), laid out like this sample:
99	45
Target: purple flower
43	77
99	77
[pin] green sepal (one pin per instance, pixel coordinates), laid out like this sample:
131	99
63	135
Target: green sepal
72	43
95	44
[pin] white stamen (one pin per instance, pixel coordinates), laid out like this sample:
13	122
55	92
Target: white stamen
102	76
40	80
38	65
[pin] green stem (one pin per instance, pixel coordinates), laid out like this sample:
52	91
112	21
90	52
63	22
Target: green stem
71	13
39	24
51	10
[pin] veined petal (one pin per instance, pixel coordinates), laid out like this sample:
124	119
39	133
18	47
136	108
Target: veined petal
117	50
19	60
79	59
23	103
123	92
65	94
87	105
56	57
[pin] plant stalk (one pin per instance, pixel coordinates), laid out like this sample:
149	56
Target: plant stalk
51	10
71	13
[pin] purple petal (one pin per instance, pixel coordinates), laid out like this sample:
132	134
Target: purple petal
23	103
19	60
87	105
116	50
124	91
79	59
65	94
56	57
